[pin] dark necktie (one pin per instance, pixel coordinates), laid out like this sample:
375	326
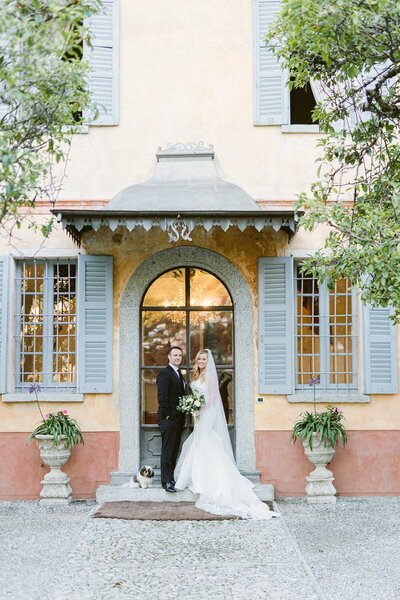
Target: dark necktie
181	377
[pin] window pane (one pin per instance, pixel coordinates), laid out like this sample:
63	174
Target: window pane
167	290
160	330
47	335
64	323
149	396
31	324
212	330
307	329
341	334
32	277
31	368
207	290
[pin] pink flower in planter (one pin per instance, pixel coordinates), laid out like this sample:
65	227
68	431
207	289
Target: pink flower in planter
65	412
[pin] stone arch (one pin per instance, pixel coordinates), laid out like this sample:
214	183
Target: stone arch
129	375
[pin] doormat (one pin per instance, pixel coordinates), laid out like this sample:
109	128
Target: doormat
157	511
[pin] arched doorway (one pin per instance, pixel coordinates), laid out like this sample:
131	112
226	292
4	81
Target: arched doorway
191	308
128	375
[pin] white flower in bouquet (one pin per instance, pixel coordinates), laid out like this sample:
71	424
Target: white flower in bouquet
191	404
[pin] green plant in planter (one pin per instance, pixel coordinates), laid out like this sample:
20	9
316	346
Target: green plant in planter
327	424
57	424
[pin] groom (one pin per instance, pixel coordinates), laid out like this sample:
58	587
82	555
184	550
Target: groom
170	386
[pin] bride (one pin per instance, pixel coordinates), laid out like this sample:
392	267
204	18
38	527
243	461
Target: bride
206	464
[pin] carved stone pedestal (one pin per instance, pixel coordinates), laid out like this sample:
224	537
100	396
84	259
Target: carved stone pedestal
320	488
56	488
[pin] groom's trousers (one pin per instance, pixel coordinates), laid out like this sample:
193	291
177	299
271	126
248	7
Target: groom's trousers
171	432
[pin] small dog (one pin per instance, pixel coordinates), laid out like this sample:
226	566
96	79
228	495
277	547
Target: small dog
142	479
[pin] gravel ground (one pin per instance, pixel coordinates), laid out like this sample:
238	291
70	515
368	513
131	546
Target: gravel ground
345	552
353	548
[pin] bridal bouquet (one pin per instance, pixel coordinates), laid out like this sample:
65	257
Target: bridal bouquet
191	403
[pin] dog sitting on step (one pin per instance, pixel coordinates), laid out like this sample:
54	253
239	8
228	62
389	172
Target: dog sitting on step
142	479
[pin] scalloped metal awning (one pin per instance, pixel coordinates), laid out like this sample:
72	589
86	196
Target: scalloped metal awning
185	192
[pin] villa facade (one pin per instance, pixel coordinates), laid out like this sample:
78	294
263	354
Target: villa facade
176	226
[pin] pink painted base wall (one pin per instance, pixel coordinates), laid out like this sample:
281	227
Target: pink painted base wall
368	466
88	467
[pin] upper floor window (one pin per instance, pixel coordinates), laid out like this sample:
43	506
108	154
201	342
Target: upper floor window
46	324
274	102
325	340
103	54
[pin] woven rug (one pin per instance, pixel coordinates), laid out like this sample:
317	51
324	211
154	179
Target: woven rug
157	511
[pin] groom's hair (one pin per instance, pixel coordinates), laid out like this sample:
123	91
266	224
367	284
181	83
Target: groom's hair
175	348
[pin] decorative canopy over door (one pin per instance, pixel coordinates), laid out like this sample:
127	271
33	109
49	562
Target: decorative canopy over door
184	192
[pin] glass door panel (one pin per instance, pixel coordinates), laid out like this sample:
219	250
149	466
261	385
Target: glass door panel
225	380
167	290
212	330
160	330
206	290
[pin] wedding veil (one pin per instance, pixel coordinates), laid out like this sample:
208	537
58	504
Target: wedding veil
212	414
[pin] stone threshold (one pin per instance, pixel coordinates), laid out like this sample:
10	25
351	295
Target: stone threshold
118	493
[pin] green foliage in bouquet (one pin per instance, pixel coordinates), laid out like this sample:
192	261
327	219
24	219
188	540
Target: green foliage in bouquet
191	403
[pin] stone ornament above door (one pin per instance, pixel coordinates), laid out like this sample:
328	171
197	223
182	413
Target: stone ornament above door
184	192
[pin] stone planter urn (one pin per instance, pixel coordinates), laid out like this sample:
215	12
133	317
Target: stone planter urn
56	488
320	488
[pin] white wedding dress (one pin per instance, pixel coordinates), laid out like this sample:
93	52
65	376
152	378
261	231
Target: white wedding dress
207	465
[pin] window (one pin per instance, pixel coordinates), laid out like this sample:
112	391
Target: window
75	53
306	330
103	53
46	324
325	339
274	103
302	104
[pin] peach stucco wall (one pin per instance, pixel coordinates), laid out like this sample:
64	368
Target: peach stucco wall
188	76
88	467
381	413
368	465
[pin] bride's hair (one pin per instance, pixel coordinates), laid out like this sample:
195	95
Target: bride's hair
196	370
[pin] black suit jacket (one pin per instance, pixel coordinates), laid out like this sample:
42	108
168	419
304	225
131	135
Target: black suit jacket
169	390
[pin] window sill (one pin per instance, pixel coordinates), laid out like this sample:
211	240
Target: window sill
76	129
300	128
43	397
329	397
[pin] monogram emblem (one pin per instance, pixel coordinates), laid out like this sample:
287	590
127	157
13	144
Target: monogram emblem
179	229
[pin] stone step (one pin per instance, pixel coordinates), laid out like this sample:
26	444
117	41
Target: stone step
117	493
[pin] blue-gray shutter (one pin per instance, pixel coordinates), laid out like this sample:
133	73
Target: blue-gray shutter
104	61
275	325
4	291
95	323
271	94
380	351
